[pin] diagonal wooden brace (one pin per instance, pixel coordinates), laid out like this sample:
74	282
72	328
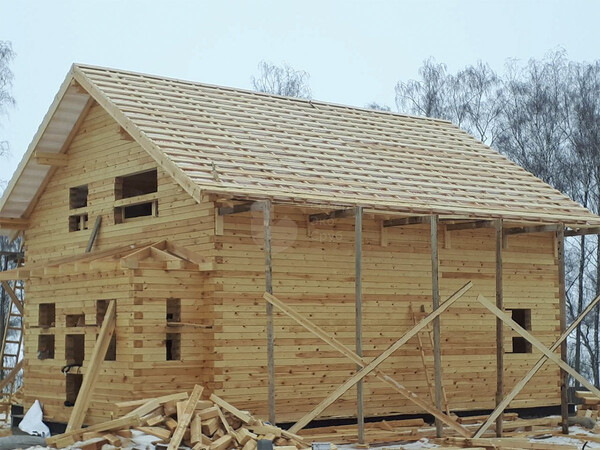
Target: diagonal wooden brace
537	344
372	366
538	365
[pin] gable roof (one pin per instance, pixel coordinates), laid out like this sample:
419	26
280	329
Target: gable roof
252	145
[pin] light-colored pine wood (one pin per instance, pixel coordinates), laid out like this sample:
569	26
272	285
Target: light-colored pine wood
92	370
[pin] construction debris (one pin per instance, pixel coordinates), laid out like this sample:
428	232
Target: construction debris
179	419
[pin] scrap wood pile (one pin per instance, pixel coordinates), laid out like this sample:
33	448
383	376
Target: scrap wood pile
176	419
590	406
538	433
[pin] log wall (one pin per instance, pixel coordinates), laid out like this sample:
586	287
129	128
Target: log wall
313	270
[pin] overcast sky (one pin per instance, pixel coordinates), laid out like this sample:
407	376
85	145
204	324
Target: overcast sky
355	51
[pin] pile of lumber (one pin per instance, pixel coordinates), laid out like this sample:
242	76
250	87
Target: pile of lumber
179	419
590	406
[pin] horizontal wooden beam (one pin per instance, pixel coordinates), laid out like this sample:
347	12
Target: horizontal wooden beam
582	231
337	214
406	221
242	207
533	229
14	223
470	225
51	159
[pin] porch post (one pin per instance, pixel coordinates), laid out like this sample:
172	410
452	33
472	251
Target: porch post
437	354
564	399
360	414
269	289
499	326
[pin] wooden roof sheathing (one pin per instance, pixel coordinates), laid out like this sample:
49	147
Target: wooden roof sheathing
251	145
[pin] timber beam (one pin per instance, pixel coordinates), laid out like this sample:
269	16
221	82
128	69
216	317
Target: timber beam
242	207
337	214
532	229
416	220
582	231
14	223
470	225
51	159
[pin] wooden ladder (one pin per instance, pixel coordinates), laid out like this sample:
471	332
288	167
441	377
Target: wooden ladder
416	318
12	345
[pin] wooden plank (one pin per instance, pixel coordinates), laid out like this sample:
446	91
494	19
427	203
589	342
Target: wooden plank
13	296
242	207
582	231
51	159
244	417
184	420
94	234
360	413
14	223
417	220
471	225
373	364
92	370
499	326
269	309
435	294
562	306
11	375
337	214
532	229
116	424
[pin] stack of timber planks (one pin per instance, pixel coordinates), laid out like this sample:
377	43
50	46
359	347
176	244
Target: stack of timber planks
179	419
590	406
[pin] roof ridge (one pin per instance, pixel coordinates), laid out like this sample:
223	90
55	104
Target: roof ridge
266	94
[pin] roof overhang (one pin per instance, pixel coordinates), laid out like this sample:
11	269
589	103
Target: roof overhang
51	139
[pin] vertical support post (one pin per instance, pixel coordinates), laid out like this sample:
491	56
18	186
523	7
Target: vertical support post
564	399
435	291
360	413
499	326
269	289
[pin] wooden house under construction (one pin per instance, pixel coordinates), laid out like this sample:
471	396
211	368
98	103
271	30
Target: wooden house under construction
174	206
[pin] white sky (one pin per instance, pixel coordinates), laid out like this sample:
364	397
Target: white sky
355	51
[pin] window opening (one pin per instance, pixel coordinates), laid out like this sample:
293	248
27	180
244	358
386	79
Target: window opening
75	348
173	346
523	318
45	346
47	314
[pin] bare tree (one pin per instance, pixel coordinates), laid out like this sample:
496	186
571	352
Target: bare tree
427	96
281	80
6	78
377	107
533	134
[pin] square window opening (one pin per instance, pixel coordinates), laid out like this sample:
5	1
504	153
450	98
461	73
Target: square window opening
173	346
78	197
136	184
173	310
75	320
45	346
75	348
78	222
73	385
47	314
